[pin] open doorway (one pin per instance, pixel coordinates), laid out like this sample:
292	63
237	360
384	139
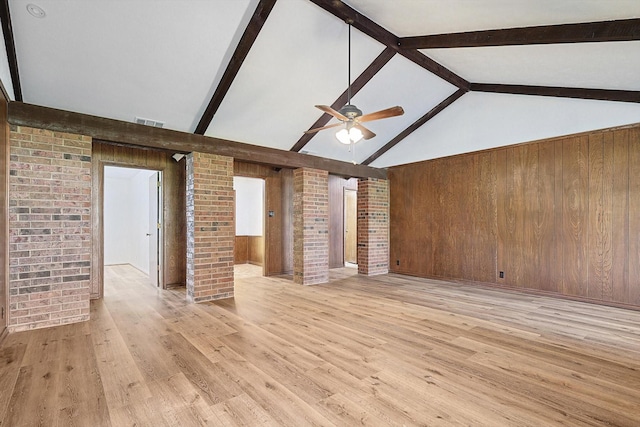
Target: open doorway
249	252
132	220
350	227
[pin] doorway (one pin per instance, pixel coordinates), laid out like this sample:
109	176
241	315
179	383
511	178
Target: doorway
133	220
350	227
249	250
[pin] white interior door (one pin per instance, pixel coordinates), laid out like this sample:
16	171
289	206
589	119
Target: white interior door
154	233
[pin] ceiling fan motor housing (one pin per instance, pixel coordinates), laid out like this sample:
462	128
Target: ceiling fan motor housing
350	111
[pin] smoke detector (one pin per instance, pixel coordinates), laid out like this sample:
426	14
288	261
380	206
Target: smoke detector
149	122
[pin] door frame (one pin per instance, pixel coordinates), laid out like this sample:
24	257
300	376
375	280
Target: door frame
157	225
265	215
99	246
106	153
344	224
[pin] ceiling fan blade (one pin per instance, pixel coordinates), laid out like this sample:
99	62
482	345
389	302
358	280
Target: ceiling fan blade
324	127
382	114
333	112
366	133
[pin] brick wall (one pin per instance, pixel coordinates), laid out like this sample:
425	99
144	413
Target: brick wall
50	228
310	226
373	226
210	227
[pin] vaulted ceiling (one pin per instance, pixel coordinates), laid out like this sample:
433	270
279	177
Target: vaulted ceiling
470	75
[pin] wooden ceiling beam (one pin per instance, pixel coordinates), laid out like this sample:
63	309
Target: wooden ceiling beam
377	32
421	121
560	92
586	32
357	84
242	50
9	42
21	114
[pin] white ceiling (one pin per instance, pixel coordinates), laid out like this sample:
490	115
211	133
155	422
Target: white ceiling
162	60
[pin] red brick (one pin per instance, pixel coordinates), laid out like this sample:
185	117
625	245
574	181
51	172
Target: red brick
39	241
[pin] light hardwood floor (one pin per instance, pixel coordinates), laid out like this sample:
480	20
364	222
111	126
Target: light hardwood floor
389	350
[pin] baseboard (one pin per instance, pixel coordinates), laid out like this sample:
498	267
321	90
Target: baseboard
527	291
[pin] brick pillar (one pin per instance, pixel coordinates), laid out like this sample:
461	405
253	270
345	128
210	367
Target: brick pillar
373	226
210	227
50	228
310	226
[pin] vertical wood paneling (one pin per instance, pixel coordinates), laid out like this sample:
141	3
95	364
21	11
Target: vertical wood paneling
287	220
97	216
607	216
633	296
575	216
272	259
501	214
174	212
530	200
512	234
484	219
558	245
256	250
561	215
545	227
426	221
595	216
463	224
521	216
241	250
620	217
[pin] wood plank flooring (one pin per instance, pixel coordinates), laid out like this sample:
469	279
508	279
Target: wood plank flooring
389	350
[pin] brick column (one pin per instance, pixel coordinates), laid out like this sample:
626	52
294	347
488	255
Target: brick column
210	227
310	226
373	226
50	228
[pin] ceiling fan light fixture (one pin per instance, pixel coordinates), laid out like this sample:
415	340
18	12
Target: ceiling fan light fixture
349	136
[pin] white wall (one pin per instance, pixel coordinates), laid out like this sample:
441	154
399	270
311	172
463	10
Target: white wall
249	206
126	217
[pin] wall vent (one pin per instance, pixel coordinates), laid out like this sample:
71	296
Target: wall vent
149	122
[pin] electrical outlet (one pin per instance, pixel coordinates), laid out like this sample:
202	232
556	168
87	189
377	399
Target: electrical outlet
502	274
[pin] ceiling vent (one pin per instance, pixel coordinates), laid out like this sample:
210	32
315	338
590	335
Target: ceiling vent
149	122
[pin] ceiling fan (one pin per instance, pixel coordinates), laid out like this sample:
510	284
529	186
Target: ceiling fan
351	117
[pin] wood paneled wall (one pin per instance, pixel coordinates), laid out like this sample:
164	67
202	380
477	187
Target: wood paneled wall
336	218
173	201
249	249
255	250
278	233
4	218
558	216
241	250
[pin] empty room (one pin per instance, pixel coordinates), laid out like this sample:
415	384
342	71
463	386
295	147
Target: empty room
320	212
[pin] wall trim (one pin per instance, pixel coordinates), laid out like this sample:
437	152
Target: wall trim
514	289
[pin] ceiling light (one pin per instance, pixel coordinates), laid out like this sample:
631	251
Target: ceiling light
36	11
349	136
